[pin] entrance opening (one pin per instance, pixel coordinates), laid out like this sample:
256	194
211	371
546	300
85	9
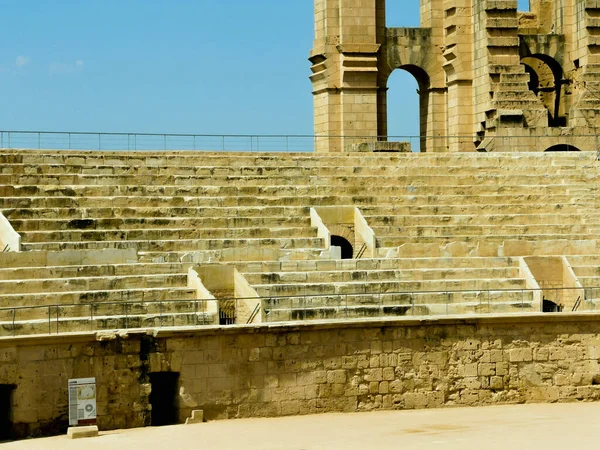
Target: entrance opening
563	148
347	249
164	398
549	306
227	312
6	429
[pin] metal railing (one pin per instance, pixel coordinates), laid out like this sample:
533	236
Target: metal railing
58	140
56	319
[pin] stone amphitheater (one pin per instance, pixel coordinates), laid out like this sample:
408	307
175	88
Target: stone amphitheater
111	240
358	277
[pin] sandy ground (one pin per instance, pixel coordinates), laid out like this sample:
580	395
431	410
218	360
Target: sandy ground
557	426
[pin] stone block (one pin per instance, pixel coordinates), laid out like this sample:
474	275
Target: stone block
520	355
82	432
197	416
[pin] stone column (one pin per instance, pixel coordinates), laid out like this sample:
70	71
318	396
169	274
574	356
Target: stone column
458	66
348	35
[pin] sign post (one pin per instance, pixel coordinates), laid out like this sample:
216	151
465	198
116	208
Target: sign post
82	408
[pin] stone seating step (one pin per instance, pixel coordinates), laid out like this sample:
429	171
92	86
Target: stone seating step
372	275
586	272
584	260
588	281
91	283
30	191
298	211
159	234
178	244
221	255
471	175
153	158
157	158
256	201
332	312
493	246
483	219
449	230
438	302
385	286
395	241
359	180
151	212
41	170
136	223
477	209
415	263
107	309
111	322
106	270
105	295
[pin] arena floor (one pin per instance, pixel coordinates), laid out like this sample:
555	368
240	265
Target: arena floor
547	426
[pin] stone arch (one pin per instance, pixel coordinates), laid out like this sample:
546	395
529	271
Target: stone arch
424	82
346	232
562	148
347	248
413	50
546	82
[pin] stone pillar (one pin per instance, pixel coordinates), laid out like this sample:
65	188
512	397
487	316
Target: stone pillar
348	35
434	126
458	66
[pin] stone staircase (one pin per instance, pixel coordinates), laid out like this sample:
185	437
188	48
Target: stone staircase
587	270
325	289
71	298
450	229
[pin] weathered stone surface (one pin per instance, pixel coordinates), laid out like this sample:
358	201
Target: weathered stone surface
343	366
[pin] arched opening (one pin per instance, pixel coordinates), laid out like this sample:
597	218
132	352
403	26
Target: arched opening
346	246
563	148
546	82
407	106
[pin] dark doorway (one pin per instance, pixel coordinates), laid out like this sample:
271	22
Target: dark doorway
227	312
164	398
347	249
549	306
563	148
6	430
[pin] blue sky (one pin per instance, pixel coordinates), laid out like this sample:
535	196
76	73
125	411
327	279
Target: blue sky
170	66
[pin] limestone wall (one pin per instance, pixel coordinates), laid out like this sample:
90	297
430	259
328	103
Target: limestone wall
260	371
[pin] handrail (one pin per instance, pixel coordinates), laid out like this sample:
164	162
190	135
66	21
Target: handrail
93	140
254	314
361	252
127	312
125	133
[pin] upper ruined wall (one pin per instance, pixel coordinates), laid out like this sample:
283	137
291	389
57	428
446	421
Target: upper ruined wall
484	69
